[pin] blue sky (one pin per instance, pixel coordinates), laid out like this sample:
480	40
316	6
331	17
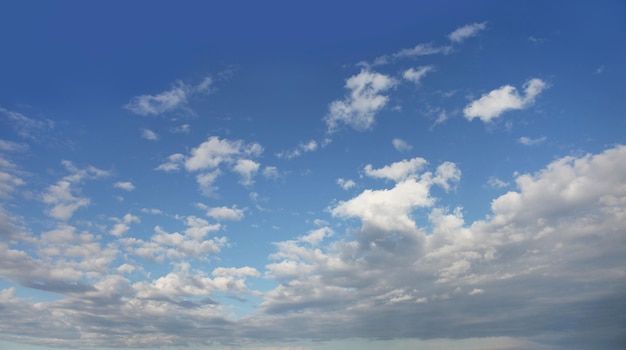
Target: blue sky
312	176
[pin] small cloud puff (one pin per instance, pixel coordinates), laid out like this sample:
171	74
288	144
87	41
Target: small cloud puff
505	98
126	186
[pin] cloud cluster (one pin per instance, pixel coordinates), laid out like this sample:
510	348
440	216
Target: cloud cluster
214	155
457	279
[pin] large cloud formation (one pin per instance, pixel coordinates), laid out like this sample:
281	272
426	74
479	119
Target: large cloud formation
545	267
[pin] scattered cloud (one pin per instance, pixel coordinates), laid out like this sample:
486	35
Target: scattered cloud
397	171
226	213
400	145
358	110
466	32
302	147
182	129
124	185
346	184
170	100
416	76
494	182
506	98
149	135
61	196
26	127
527	141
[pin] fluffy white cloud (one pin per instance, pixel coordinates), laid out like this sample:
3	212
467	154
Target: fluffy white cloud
416	76
169	100
358	110
247	169
397	171
61	195
505	98
124	185
149	135
225	213
214	151
401	145
467	31
572	213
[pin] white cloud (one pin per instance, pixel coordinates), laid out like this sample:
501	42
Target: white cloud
358	110
214	151
422	50
169	100
527	141
345	184
26	127
503	99
302	147
416	76
159	103
124	185
467	31
271	172
182	129
61	195
149	135
397	171
400	145
247	169
225	213
494	182
173	163
206	180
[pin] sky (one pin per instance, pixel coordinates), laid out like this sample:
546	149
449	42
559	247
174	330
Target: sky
313	175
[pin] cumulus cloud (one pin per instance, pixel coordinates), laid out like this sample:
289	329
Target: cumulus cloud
247	169
467	31
572	213
62	196
226	213
400	145
149	135
397	171
416	76
215	151
506	98
358	110
124	185
214	156
169	100
346	184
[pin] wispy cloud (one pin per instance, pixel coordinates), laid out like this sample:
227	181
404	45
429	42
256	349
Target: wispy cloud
149	135
527	141
400	145
175	98
466	32
416	76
